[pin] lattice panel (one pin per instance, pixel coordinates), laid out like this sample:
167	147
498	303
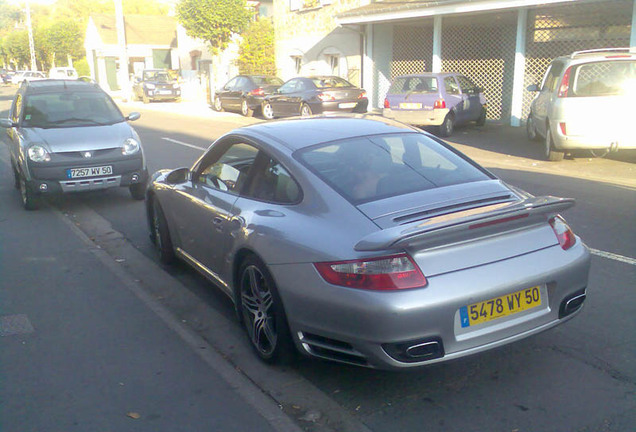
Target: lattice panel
483	49
412	49
561	30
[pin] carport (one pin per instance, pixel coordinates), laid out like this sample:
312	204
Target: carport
502	45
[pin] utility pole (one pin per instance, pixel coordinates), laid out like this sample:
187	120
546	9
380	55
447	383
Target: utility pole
34	65
124	82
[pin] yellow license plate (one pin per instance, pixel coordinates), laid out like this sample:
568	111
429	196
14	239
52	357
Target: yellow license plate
410	105
509	304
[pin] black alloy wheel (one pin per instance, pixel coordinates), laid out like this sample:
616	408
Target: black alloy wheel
245	109
305	110
447	126
218	105
138	191
267	110
262	314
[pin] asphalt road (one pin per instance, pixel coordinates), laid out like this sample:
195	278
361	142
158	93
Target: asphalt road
580	376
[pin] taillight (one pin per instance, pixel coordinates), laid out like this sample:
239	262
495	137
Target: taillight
258	92
564	234
325	97
362	95
439	103
565	83
386	103
381	274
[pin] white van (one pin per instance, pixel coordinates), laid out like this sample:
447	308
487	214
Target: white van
63	73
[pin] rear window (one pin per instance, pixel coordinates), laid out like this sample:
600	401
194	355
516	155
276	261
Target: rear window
262	81
329	82
403	85
371	168
605	78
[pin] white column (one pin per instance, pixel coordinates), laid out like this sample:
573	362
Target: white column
519	71
437	44
369	66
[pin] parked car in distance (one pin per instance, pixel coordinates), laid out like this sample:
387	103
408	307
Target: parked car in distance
156	84
305	96
586	101
245	93
365	241
21	76
435	99
63	73
69	136
5	75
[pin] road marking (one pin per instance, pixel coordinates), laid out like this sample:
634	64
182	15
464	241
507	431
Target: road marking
613	256
183	143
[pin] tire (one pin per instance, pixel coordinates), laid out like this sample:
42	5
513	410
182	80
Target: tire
245	109
138	191
30	200
267	111
549	153
531	129
481	120
160	235
16	177
262	313
218	105
145	98
447	127
305	110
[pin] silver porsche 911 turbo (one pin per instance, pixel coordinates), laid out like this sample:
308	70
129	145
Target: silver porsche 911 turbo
368	242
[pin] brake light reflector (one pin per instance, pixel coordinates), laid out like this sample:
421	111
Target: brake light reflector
380	274
258	92
565	83
386	103
362	95
439	103
562	127
564	234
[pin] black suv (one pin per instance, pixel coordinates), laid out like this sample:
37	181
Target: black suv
69	136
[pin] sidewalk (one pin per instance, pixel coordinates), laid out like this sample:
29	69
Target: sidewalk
82	349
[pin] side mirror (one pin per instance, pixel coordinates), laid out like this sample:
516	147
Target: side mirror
533	88
7	123
133	116
180	175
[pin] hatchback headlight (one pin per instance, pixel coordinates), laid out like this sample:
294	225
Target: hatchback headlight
37	153
149	86
131	146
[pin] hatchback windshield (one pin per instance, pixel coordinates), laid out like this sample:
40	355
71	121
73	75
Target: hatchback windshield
157	76
372	168
66	109
417	84
604	78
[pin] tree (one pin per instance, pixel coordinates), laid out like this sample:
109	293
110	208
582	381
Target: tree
214	21
16	47
256	52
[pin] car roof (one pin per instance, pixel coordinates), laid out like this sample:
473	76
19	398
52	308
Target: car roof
297	133
56	85
428	74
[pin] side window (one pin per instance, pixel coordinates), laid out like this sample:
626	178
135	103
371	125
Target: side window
466	85
273	183
229	172
551	80
231	84
451	86
289	86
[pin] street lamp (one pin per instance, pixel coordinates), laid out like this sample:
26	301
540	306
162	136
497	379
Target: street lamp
34	65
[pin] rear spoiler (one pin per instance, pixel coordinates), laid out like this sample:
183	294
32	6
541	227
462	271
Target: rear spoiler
454	224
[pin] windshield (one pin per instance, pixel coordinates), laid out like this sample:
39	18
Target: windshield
372	168
418	84
604	78
68	109
262	81
330	82
157	76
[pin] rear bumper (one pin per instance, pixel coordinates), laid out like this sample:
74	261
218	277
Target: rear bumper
433	117
355	106
361	327
597	141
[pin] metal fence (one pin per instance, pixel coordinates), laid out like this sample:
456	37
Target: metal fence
482	46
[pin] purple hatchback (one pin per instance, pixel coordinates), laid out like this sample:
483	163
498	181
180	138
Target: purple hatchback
435	99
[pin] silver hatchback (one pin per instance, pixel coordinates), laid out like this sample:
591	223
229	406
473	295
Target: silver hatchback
368	242
586	101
